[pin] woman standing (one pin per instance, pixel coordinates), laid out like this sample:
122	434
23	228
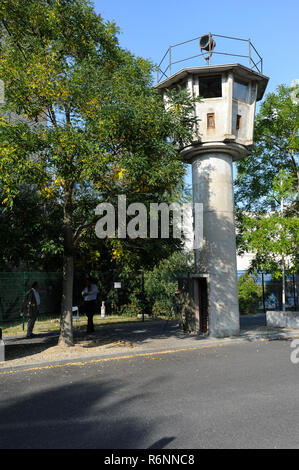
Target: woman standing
90	294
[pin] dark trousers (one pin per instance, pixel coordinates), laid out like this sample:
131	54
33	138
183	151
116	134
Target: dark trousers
32	313
90	325
30	326
90	310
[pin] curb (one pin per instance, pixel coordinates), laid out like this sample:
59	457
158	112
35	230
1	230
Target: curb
245	338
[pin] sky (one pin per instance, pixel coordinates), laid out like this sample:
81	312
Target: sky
148	28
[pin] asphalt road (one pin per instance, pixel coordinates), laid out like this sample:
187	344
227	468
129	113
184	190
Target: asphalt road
236	396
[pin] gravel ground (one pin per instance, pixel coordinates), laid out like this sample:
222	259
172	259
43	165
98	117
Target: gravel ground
56	353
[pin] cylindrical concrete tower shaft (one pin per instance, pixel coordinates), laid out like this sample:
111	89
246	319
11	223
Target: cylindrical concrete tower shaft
212	187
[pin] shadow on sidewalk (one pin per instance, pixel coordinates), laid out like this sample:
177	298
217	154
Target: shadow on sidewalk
18	347
158	333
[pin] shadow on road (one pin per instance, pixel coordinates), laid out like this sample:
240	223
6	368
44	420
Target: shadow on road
77	416
161	443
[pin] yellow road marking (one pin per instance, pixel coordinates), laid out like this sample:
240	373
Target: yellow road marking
128	356
109	359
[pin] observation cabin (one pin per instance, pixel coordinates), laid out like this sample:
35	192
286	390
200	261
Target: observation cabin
228	92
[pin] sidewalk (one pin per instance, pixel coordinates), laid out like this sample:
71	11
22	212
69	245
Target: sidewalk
121	339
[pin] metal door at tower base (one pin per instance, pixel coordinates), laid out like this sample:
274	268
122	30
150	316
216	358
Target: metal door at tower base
192	304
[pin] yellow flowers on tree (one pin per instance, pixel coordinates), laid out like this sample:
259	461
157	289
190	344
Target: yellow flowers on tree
81	120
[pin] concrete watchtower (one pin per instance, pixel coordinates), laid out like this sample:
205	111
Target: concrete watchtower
224	134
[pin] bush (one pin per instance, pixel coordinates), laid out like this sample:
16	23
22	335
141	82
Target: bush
159	309
250	294
162	282
133	308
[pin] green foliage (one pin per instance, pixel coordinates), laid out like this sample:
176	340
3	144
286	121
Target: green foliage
154	296
107	129
30	234
275	235
161	308
250	294
271	237
161	282
81	121
276	149
265	179
181	105
133	307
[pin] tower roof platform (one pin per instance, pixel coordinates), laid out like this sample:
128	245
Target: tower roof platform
240	71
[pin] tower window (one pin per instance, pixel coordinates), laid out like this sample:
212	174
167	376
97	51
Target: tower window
210	87
211	121
239	122
240	91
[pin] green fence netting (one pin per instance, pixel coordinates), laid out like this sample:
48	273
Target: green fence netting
14	285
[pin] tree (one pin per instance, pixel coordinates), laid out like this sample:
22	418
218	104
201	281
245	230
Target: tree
30	234
273	236
81	122
276	149
267	178
250	294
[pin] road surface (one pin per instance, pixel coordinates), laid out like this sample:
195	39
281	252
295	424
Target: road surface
235	396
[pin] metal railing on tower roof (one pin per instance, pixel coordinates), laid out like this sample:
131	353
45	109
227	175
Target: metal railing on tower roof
175	55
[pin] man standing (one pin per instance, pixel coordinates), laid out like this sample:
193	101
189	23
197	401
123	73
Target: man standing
90	294
30	308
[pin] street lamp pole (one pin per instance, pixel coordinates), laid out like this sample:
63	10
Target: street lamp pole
142	290
263	282
283	266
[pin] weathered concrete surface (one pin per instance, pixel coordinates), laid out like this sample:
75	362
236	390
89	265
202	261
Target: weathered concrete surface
2	351
225	107
283	319
212	187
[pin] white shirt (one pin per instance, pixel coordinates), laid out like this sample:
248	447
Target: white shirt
91	294
37	297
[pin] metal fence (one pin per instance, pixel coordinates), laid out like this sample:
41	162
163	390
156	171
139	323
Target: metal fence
14	285
272	292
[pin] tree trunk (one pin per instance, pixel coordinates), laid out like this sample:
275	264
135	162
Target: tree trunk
66	321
